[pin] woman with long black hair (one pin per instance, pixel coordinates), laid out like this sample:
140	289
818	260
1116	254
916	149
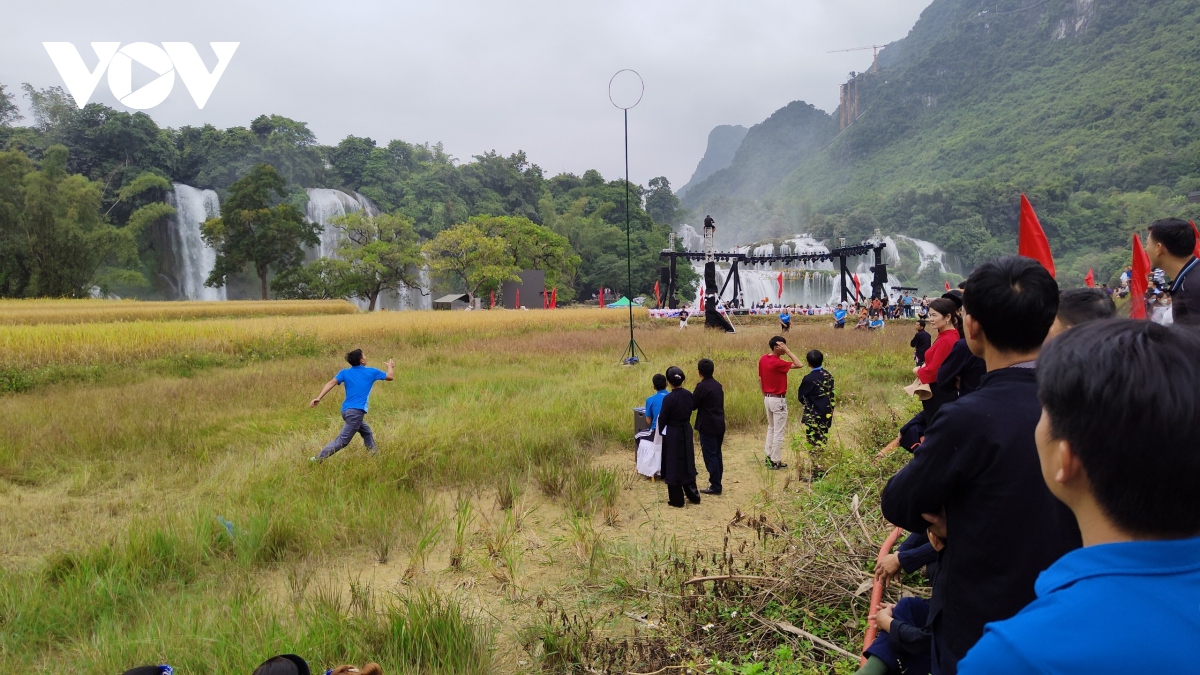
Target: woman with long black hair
678	447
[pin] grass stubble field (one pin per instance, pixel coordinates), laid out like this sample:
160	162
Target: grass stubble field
158	506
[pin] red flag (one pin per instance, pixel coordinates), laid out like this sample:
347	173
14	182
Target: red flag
857	288
1031	241
1138	282
518	305
1090	279
601	297
947	286
545	299
492	300
657	297
554	298
1196	250
781	285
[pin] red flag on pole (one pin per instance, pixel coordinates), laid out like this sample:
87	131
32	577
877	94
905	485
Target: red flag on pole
781	285
554	298
1031	241
518	305
947	286
1138	282
1196	250
857	288
1090	279
601	297
657	297
492	300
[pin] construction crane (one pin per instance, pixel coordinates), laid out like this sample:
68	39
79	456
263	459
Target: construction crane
876	49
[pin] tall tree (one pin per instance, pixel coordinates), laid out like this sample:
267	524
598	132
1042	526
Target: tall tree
468	255
381	252
661	203
252	231
9	112
68	241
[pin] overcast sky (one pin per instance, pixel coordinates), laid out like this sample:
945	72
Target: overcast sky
479	75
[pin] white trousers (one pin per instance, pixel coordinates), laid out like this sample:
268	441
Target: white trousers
777	414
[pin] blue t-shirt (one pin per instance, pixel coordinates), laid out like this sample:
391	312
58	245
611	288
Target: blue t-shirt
785	317
654	406
1113	608
839	315
358	381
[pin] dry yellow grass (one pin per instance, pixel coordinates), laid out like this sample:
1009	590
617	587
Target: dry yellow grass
35	312
86	344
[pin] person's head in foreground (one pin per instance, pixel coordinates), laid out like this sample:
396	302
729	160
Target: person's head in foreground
675	376
1170	244
815	359
778	345
659	381
151	670
284	664
706	368
1078	306
1008	305
1118	444
356	358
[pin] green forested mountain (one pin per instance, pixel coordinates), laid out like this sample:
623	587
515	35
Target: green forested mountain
91	183
1091	107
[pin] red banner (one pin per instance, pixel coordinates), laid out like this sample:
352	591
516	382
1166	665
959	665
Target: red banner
1139	281
1031	241
781	285
1090	279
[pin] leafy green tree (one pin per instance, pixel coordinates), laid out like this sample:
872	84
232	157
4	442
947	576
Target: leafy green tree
533	247
252	231
348	160
380	253
469	256
9	112
661	203
69	245
14	259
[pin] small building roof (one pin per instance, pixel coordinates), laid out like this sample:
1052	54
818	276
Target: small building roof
460	297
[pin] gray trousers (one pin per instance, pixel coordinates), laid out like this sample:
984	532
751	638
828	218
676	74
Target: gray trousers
354	425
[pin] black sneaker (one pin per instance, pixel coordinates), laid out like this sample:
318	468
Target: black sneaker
710	491
775	466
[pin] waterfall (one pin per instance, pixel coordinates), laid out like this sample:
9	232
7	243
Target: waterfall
324	205
932	254
194	259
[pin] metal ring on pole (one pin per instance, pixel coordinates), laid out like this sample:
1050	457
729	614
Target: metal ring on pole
641	88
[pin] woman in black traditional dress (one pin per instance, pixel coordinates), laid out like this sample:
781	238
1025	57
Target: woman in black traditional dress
678	448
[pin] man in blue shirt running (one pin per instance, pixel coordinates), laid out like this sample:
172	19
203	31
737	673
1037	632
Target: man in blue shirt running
358	379
1117	444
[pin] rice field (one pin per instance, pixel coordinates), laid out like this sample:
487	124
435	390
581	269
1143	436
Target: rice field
162	508
38	311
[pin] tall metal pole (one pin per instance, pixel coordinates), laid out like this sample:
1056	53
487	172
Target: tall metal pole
628	245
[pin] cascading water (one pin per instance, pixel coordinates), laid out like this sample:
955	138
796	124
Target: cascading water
324	205
932	254
194	260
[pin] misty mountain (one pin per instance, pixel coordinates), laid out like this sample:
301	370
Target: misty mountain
1092	107
723	143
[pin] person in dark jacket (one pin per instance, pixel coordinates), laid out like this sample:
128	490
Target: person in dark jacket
678	447
976	479
710	422
1170	245
817	396
920	343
